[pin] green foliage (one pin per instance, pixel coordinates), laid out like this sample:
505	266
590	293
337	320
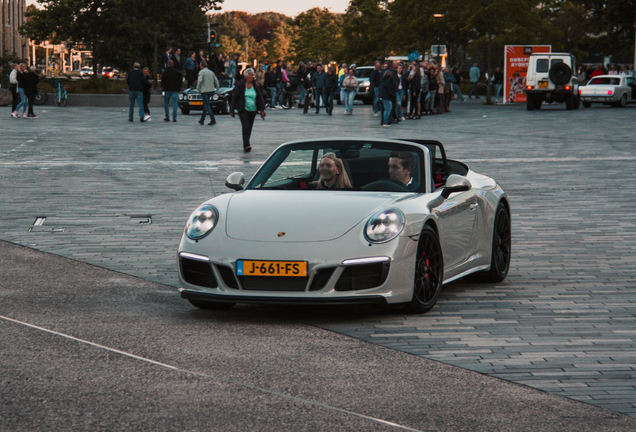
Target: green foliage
365	31
282	44
319	36
120	31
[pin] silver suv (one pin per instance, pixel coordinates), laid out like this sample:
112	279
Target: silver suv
552	78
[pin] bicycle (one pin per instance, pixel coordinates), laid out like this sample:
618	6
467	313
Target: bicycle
60	92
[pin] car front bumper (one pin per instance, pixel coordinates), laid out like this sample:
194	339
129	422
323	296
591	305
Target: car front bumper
338	273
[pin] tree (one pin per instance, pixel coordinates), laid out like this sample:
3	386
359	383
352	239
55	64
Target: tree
365	30
282	44
119	31
319	35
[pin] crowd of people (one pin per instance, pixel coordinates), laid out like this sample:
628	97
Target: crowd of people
610	69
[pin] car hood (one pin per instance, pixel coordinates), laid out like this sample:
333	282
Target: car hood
303	216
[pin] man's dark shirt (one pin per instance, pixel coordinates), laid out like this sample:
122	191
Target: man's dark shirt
318	80
135	80
171	79
376	78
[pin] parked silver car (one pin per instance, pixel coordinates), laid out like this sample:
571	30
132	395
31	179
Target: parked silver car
615	90
405	221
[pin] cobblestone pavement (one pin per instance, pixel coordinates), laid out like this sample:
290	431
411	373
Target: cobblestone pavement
116	195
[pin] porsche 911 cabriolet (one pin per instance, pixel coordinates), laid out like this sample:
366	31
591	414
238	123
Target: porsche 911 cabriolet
346	221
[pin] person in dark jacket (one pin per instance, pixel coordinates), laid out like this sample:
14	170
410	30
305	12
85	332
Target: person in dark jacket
248	100
171	81
331	85
28	81
135	81
387	95
165	57
415	88
318	84
147	87
376	79
191	67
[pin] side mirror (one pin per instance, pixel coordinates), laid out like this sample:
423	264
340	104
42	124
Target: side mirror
235	181
455	183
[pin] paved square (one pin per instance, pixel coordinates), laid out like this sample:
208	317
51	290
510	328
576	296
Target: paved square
117	194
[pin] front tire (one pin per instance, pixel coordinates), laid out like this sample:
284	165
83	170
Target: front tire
429	273
185	111
211	305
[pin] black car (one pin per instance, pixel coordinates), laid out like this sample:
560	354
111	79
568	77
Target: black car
191	99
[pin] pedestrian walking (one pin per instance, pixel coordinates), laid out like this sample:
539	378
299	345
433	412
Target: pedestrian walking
165	58
191	67
171	81
475	73
301	73
498	81
331	85
24	102
350	87
147	87
456	85
270	82
177	60
429	106
376	80
449	80
399	93
13	88
248	101
135	80
425	87
207	85
342	74
260	75
387	96
441	88
232	66
415	90
28	81
318	84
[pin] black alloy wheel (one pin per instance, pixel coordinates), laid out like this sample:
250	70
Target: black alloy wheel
501	249
429	272
211	305
501	246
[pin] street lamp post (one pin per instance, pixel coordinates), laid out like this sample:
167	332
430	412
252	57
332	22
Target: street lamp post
438	17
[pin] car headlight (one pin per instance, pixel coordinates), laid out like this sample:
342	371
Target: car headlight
180	96
384	226
215	97
201	222
366	84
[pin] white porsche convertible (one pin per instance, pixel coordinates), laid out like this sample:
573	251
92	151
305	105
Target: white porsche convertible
346	221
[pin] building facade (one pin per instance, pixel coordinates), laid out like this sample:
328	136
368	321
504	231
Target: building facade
11	18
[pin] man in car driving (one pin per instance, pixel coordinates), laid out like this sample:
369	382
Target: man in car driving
401	168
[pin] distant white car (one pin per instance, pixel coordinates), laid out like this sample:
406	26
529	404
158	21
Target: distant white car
615	90
86	71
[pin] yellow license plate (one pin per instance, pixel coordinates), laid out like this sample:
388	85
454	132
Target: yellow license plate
543	84
196	103
271	268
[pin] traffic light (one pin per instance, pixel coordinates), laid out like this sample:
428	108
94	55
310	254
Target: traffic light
212	37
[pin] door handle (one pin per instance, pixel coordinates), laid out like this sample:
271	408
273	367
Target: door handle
474	206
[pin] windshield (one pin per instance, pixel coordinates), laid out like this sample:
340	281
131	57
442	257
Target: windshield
362	73
367	166
604	81
225	82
